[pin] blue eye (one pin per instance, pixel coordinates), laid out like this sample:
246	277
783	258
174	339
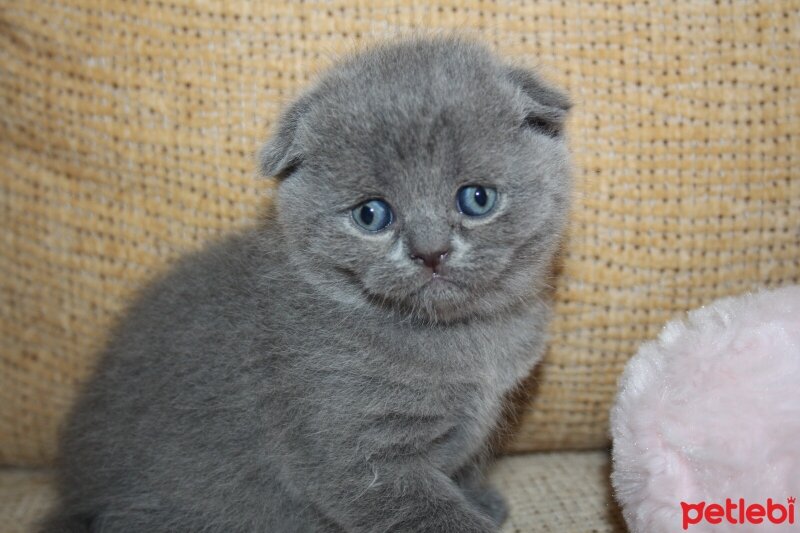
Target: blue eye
475	200
373	215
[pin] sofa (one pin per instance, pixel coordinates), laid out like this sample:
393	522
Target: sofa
128	136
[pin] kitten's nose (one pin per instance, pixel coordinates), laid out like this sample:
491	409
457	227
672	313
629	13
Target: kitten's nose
430	259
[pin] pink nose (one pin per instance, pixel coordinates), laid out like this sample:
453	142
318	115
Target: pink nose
430	259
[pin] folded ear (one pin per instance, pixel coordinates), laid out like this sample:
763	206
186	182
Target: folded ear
545	108
283	153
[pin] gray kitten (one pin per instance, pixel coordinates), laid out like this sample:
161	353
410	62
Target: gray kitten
340	367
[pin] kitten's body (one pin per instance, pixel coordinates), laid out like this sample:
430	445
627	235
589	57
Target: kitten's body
268	384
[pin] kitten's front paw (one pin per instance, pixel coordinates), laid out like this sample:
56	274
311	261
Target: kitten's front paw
472	524
490	502
443	521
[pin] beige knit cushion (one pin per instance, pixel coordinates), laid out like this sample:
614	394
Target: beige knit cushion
127	136
25	497
559	492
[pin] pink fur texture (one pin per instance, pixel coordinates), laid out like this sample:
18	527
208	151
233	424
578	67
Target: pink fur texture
711	411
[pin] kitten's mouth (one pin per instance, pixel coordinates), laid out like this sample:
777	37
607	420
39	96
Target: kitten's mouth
437	289
438	281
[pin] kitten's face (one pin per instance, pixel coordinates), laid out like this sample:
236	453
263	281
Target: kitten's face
423	183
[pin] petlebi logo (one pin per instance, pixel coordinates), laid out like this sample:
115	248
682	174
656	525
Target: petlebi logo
738	512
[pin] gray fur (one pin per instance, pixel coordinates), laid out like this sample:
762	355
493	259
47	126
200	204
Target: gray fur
307	376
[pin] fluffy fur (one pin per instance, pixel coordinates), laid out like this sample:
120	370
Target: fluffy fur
709	411
310	376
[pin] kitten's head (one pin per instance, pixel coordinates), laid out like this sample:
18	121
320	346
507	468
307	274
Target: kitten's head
424	176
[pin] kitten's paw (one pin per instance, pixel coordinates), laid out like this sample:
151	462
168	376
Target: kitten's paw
470	520
490	502
473	524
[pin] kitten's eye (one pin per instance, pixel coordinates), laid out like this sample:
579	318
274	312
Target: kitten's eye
373	215
475	200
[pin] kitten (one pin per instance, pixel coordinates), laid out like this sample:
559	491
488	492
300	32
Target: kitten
340	367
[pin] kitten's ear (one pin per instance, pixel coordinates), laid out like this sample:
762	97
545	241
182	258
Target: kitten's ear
545	108
283	153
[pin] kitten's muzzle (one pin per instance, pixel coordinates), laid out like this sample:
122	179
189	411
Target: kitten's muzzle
431	260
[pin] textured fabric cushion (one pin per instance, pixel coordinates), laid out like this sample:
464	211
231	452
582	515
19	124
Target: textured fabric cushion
25	497
560	492
128	133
